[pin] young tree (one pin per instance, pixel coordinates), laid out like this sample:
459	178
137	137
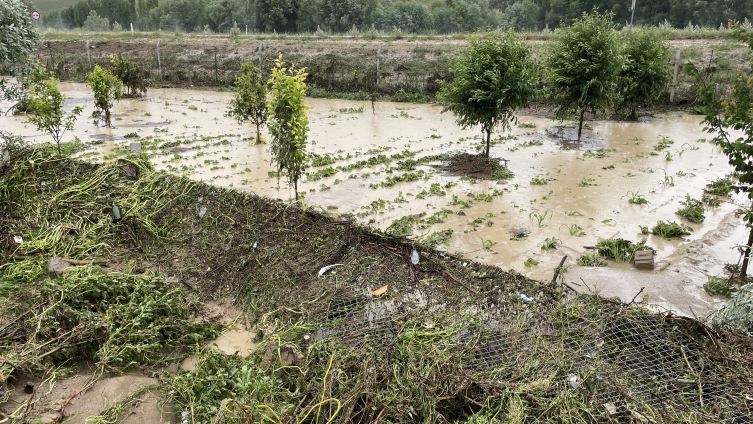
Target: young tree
583	65
289	121
645	76
727	111
107	88
493	78
131	74
250	101
46	109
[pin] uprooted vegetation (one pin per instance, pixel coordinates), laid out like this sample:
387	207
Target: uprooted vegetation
383	338
621	250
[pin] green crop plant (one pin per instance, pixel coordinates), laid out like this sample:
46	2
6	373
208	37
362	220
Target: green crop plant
551	243
711	200
668	180
644	230
634	198
590	259
530	262
671	229
720	187
573	213
538	181
621	250
693	210
487	244
539	218
575	230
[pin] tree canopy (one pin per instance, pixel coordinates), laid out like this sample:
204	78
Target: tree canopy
250	100
583	65
493	78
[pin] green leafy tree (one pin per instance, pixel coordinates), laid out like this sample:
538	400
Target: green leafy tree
583	64
107	88
288	121
94	22
250	101
728	109
46	109
17	34
645	76
131	74
493	78
523	15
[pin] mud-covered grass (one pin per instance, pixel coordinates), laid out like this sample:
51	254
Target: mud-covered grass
376	338
476	166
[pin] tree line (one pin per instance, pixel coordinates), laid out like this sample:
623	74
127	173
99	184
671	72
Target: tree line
410	16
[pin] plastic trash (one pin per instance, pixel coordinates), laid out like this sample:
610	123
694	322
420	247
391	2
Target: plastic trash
18	239
525	298
202	212
116	217
256	243
573	380
414	257
327	268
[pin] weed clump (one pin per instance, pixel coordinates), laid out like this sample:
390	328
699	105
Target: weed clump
718	286
591	259
693	210
621	250
671	229
737	316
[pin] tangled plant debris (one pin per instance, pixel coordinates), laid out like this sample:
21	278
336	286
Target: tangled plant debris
381	337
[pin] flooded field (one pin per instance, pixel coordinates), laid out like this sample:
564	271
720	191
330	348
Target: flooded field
580	191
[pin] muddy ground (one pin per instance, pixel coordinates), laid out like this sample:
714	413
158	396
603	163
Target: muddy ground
335	65
348	323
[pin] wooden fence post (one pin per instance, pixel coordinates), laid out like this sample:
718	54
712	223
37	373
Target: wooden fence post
159	59
379	51
88	54
674	80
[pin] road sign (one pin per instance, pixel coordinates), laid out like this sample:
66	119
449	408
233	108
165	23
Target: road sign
633	4
35	15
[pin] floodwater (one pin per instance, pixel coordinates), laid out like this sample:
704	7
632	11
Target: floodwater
206	145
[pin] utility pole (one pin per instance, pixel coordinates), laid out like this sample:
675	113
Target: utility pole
630	31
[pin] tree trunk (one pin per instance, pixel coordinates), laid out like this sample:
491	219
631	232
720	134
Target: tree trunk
580	126
488	142
744	268
258	138
295	187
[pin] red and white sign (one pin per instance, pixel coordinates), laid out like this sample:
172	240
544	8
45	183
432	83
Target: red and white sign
633	4
35	15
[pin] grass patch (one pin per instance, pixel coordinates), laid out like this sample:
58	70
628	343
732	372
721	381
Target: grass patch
717	286
590	259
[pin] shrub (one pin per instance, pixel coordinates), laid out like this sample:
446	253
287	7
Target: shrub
645	76
132	75
250	101
693	210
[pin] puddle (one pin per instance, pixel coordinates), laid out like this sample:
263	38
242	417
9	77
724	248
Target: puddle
230	342
586	184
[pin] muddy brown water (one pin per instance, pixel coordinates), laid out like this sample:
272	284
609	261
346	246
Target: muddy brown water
683	265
